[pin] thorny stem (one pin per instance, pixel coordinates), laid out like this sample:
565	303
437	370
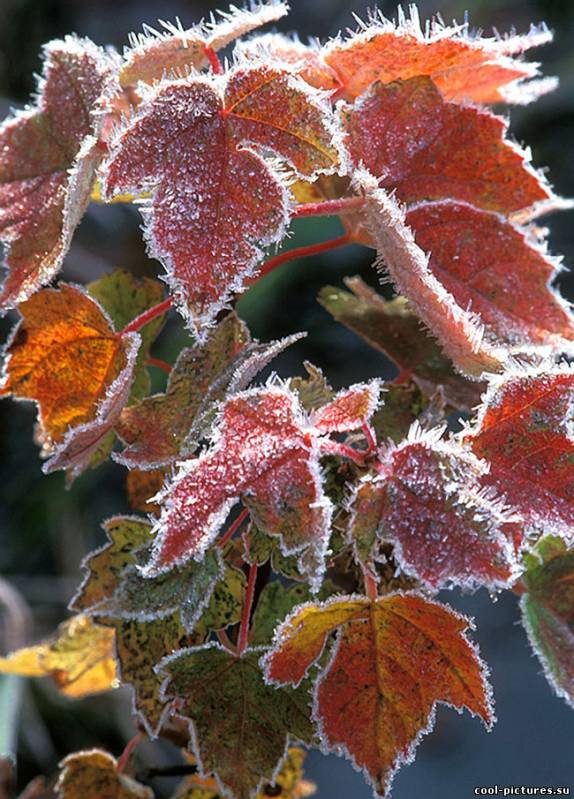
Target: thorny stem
248	604
159	364
213	59
147	316
126	755
235	525
345	205
301	252
370	585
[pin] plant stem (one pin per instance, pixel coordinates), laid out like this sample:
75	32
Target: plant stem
369	434
246	615
225	642
213	59
126	755
370	585
301	252
147	316
345	205
159	364
235	525
330	447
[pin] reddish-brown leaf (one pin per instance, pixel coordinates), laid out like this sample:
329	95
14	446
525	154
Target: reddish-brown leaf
216	202
349	409
429	501
65	356
175	50
396	657
48	157
265	454
523	431
464	66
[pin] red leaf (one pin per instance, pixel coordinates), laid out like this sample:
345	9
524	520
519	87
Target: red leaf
427	149
216	203
48	157
265	455
396	657
349	409
463	65
154	54
523	431
459	331
430	502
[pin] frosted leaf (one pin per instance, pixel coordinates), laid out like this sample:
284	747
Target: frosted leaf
349	409
465	65
216	203
48	159
176	50
265	454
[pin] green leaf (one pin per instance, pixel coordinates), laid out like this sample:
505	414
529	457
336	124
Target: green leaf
241	723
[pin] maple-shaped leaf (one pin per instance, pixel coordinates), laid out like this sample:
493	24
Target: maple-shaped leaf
523	431
216	203
167	426
48	158
79	659
395	658
288	783
114	586
548	611
140	645
391	327
240	724
461	181
349	409
464	65
65	356
124	297
265	453
175	50
94	774
428	499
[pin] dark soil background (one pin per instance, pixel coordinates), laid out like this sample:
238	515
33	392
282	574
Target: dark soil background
45	530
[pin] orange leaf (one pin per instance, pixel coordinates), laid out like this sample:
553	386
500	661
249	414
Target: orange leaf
463	65
395	658
65	356
80	660
48	158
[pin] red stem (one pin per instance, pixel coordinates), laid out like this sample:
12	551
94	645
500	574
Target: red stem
159	364
248	604
147	316
125	756
345	205
301	252
213	59
369	434
330	447
370	585
233	527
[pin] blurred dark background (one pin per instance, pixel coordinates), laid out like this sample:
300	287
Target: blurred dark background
45	530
